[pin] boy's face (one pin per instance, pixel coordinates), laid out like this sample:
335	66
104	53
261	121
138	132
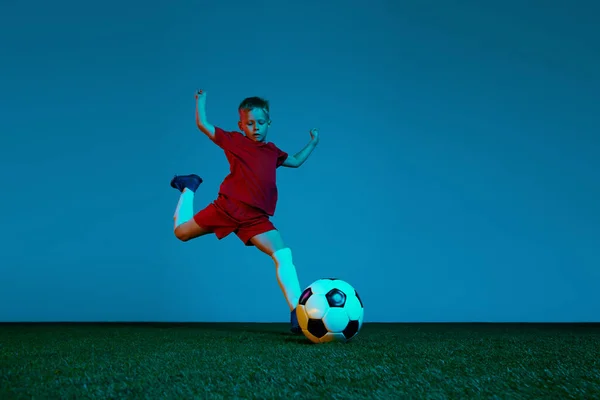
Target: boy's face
255	124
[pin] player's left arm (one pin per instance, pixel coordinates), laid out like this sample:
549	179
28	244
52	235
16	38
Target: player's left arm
300	157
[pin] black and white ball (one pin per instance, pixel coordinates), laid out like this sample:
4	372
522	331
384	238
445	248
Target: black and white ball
330	310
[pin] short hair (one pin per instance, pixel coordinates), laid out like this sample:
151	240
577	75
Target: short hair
250	103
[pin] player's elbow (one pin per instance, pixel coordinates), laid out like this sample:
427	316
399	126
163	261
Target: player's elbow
207	129
292	162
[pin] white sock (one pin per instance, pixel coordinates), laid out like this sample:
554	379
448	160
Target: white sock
185	207
287	277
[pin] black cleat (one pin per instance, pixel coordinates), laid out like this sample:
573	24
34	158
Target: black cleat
294	320
181	182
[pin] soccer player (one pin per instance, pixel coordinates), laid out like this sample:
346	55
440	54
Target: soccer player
248	195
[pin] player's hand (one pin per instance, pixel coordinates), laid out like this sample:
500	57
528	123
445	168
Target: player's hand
201	96
314	135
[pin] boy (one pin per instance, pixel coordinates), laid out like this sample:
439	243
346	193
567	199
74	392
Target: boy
248	195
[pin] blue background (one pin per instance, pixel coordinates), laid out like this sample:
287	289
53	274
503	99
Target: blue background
457	177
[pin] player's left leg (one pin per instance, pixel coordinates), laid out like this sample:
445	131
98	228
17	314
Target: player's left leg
271	243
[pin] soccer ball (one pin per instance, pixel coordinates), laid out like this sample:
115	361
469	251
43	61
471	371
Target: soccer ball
330	310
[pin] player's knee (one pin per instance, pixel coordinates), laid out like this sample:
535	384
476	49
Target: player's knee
182	234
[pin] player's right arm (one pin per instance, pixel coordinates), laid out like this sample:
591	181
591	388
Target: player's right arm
201	121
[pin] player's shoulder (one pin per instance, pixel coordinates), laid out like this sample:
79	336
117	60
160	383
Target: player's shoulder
278	150
272	145
224	132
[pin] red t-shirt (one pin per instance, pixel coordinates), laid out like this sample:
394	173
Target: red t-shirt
252	177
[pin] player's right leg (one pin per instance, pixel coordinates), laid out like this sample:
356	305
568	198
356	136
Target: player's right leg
267	239
186	228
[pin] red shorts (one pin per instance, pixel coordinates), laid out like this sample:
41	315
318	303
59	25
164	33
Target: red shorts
226	215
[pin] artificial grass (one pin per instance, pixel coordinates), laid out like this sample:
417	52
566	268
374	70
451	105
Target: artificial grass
227	361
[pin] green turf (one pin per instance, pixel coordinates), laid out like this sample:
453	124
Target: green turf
226	361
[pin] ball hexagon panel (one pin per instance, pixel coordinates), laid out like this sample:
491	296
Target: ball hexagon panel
336	320
302	317
322	286
332	337
316	306
353	307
